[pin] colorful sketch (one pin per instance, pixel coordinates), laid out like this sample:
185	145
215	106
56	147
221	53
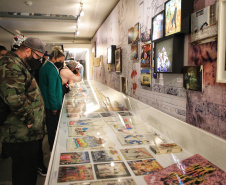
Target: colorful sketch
84	142
145	77
193	170
145	55
75	173
172	17
105	156
123	129
74	158
144	167
193	78
133	139
136	153
111	170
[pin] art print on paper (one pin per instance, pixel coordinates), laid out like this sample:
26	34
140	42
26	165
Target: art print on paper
79	131
133	139
172	17
74	158
145	55
105	155
193	170
79	123
123	129
84	142
144	167
136	153
125	113
93	115
111	170
125	181
75	173
108	114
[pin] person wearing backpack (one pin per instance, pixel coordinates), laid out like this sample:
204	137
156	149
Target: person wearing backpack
21	110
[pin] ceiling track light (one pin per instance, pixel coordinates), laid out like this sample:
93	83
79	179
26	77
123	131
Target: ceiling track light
76	32
82	13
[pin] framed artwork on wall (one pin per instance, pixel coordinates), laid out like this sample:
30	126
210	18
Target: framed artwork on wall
134	52
118	60
146	36
169	55
221	51
123	83
96	62
158	26
111	54
193	78
130	35
177	16
204	24
145	55
136	33
109	67
145	77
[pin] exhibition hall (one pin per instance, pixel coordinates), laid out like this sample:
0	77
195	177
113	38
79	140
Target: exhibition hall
112	92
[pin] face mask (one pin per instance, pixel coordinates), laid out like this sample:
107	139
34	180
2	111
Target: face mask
35	64
59	64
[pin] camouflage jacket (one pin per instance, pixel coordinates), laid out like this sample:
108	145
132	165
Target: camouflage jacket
26	105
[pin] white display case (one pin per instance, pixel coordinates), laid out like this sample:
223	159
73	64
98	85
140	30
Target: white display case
99	99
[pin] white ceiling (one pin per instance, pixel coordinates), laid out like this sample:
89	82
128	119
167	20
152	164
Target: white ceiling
54	30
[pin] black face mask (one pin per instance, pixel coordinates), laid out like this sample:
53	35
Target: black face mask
59	64
35	64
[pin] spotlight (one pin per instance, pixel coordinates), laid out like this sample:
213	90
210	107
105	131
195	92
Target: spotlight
77	32
82	13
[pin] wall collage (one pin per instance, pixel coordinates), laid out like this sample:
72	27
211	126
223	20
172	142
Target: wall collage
203	106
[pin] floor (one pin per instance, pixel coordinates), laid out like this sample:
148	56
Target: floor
5	166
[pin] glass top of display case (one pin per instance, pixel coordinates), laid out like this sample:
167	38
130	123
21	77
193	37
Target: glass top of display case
101	141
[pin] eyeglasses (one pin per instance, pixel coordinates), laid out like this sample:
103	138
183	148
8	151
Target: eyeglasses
40	58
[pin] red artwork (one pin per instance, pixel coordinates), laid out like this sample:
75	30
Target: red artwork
134	76
193	170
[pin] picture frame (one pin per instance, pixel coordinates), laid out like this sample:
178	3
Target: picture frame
177	17
158	26
111	54
221	54
169	55
123	84
118	60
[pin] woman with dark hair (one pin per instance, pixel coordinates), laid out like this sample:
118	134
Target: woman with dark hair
50	84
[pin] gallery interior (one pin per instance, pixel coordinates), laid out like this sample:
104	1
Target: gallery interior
151	107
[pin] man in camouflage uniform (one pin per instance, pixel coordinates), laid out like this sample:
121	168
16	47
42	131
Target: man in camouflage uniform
23	126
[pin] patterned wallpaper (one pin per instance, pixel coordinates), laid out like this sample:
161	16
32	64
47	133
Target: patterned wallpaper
205	110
